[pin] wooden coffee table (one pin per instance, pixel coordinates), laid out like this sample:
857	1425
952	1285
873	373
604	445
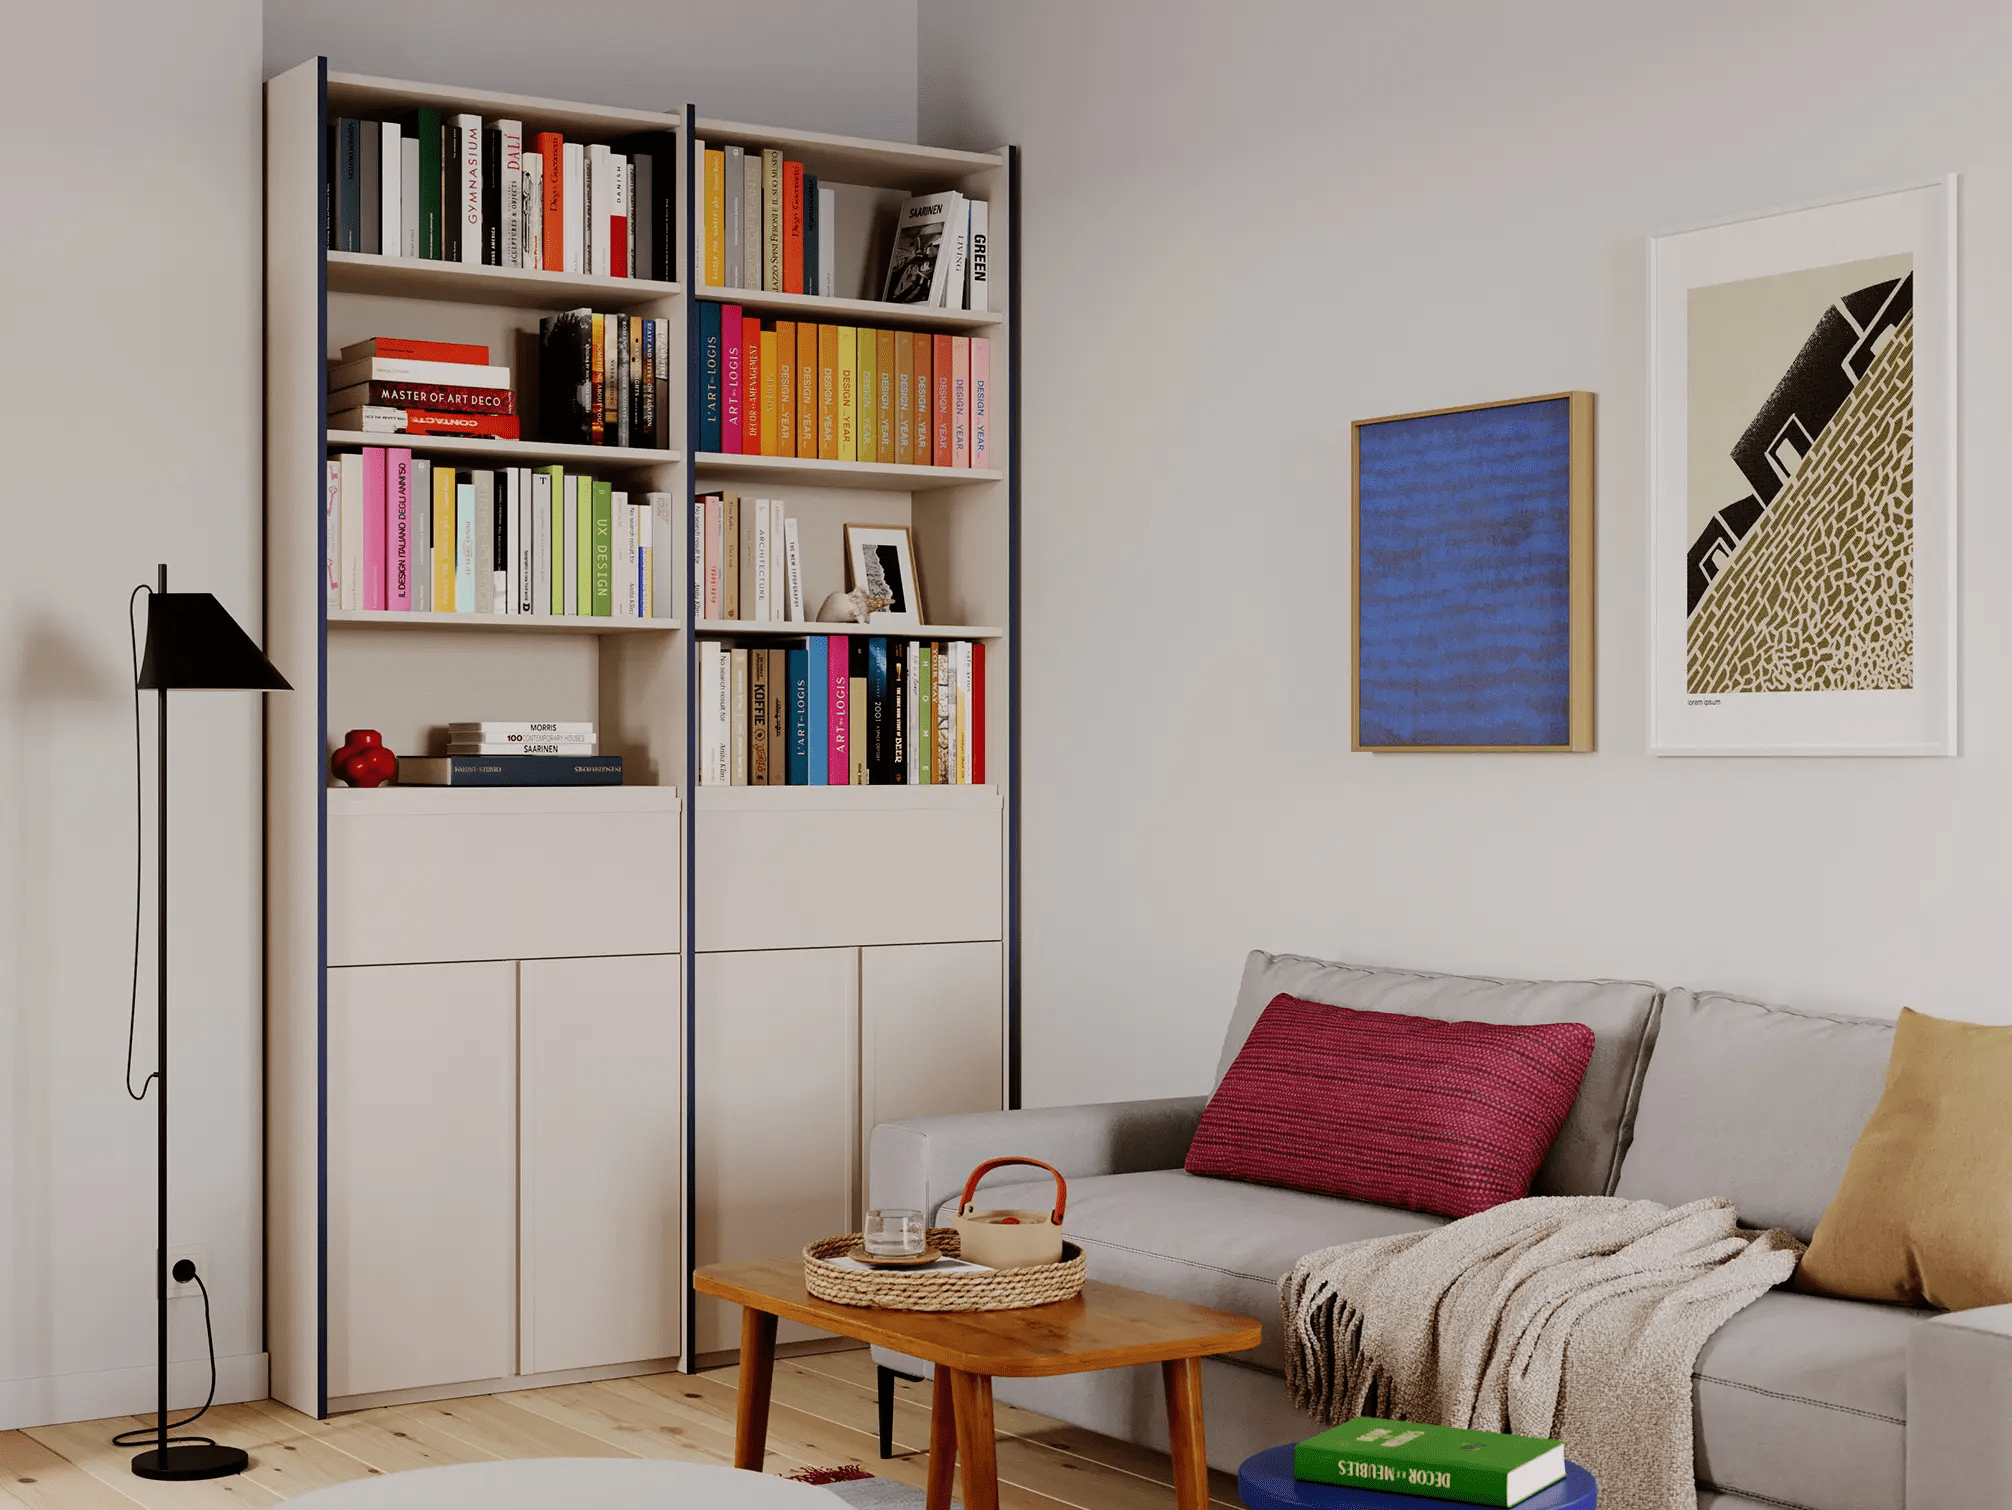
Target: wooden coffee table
1106	1326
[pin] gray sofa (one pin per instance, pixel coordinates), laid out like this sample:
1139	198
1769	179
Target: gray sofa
1799	1400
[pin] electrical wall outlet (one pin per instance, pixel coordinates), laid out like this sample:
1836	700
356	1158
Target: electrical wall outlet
200	1256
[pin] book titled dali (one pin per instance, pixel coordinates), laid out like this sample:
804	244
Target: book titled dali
1435	1462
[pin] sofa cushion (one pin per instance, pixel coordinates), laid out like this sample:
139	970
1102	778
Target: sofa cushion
1802	1400
1756	1103
1586	1155
1218	1243
1448	1117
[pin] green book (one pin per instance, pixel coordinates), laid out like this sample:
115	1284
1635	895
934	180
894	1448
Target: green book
583	545
1437	1462
604	549
429	183
925	720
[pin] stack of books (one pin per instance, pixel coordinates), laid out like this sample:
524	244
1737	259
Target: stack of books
1435	1462
605	380
460	189
504	753
393	386
841	392
412	536
938	256
839	710
745	561
523	738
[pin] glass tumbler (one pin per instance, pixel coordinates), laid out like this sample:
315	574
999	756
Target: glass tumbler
894	1233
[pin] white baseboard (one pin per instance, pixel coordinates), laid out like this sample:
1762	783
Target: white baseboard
424	1393
127	1391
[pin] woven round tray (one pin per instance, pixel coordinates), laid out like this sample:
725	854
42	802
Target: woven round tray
971	1290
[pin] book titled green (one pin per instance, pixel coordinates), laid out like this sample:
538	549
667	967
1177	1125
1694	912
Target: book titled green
1437	1462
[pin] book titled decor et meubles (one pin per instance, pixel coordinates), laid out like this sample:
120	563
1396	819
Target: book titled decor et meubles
1434	1462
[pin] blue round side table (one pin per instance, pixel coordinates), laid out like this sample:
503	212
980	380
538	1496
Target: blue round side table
1266	1483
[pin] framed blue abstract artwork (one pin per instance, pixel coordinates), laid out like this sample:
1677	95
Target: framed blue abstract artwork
1474	577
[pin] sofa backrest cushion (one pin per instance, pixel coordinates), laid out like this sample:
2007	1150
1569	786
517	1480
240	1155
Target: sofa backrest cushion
1756	1103
1586	1155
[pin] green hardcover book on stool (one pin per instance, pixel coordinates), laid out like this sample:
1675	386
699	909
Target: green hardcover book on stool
1436	1462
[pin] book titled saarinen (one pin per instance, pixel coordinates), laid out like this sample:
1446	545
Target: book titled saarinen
1435	1462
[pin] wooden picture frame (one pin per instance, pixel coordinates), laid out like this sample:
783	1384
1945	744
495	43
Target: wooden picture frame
901	574
1471	560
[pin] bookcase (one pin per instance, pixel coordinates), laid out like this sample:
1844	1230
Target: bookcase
533	1053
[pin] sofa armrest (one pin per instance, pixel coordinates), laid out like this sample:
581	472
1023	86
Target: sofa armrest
921	1162
1959	1399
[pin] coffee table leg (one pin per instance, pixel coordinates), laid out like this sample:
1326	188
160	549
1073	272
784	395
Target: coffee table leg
757	1377
972	1394
1183	1378
942	1442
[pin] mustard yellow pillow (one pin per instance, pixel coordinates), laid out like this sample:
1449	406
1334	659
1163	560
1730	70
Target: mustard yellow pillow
1925	1210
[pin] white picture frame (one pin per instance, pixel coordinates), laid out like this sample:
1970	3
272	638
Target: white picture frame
1734	623
885	552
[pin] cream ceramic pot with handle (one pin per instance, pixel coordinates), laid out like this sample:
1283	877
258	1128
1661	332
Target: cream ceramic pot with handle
1005	1239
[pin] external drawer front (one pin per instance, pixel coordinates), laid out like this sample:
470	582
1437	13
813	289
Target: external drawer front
418	876
804	867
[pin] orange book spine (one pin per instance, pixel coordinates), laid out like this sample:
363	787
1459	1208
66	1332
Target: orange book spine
806	389
599	347
827	393
942	442
904	398
883	393
924	402
552	147
785	387
771	440
751	377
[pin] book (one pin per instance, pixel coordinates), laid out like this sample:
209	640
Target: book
960	401
409	196
375	518
730	556
900	676
525	747
1436	1462
792	227
573	207
793	564
346	173
492	197
422	535
463	548
865	394
519	729
438	397
879	754
619	192
838	670
827	393
751	386
712	209
531	209
981	374
398	348
541	541
737	714
408	370
771	221
707	376
511	541
923	746
487	548
600	208
817	710
811	244
917	264
390	194
379	419
785	386
977	766
977	291
446	512
769	407
331	530
806	368
510	770
755	564
751	220
778	722
664	511
961	662
796	681
427	134
602	563
758	717
450	191
956	240
904	398
733	184
848	393
942	452
922	399
883	395
855	709
731	383
350	559
510	155
468	204
552	207
827	242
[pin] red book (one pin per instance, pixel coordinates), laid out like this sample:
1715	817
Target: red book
618	246
941	440
751	385
424	396
417	351
731	382
792	227
552	147
977	713
388	421
838	672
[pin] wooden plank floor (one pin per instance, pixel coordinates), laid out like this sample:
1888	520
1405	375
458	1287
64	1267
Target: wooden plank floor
822	1415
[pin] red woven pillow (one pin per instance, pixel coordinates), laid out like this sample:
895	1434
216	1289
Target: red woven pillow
1448	1117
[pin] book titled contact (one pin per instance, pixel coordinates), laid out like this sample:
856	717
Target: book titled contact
510	770
1437	1462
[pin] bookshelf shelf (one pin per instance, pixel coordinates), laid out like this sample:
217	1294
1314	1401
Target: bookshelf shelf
891	631
363	94
858	799
841	311
421	278
373	618
511	450
504	801
802	470
853	159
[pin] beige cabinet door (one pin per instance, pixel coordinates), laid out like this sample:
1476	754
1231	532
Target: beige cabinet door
422	1175
778	1111
931	1032
601	1100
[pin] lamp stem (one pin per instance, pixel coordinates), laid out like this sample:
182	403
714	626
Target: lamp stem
161	1049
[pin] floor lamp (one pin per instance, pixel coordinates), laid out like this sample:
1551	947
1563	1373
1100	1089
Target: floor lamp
192	643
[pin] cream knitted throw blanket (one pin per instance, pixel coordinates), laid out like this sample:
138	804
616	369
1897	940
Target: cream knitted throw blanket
1574	1317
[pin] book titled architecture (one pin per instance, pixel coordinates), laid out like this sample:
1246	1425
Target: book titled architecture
1435	1462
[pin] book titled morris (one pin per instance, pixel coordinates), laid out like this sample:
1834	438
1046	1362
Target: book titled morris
510	770
1435	1462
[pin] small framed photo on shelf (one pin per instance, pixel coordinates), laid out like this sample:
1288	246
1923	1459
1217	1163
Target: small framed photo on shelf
880	558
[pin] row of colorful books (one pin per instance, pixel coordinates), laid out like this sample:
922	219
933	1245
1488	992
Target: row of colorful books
456	188
765	223
407	535
394	386
841	392
833	710
746	560
604	380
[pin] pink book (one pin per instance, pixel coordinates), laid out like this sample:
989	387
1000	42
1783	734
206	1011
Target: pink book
838	668
373	527
960	401
981	375
398	536
730	378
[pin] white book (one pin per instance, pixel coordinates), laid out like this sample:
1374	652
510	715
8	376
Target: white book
621	557
761	588
751	220
737	717
733	187
916	265
521	728
795	560
464	546
512	195
352	530
618	209
408	196
391	197
977	291
911	714
709	697
527	545
541	543
332	531
600	205
411	370
957	241
697	554
528	747
663	571
569	541
531	195
573	201
470	127
962	662
646	582
422	535
827	242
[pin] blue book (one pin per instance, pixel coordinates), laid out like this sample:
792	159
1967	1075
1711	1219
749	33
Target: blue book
510	770
817	723
798	727
878	728
709	377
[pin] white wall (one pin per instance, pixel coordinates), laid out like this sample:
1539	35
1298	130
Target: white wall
129	420
1247	225
847	67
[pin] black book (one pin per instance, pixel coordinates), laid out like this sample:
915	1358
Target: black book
856	672
349	186
810	269
450	193
566	378
623	387
897	712
331	155
492	197
656	204
646	389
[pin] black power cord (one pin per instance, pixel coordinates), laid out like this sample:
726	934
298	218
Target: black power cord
143	1436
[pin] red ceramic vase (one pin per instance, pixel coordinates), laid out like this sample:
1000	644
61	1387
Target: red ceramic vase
363	760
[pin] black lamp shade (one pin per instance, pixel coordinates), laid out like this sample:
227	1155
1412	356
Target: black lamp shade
192	641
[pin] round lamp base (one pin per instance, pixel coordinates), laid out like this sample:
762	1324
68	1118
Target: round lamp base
191	1461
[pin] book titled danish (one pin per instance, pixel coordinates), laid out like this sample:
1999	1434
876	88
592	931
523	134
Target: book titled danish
1434	1462
918	266
510	770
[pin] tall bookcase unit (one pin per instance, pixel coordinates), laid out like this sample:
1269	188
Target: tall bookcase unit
533	1053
